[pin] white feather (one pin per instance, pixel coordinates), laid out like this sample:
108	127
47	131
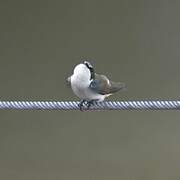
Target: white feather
80	81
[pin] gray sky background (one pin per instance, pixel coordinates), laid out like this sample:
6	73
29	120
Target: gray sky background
136	42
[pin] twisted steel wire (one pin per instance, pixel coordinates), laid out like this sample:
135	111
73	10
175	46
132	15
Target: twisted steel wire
106	105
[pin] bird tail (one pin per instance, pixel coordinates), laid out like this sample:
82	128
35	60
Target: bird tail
116	86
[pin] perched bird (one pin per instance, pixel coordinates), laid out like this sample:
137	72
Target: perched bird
91	87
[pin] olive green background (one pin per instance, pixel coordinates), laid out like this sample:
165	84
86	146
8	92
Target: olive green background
136	42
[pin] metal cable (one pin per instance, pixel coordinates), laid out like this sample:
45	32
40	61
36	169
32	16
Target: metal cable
106	105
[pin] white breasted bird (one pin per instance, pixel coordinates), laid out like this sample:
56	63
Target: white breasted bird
89	86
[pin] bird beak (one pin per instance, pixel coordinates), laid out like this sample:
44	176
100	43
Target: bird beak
68	81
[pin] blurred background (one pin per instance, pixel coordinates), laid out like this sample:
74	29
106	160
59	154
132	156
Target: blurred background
136	42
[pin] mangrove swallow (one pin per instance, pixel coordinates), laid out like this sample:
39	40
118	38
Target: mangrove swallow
91	87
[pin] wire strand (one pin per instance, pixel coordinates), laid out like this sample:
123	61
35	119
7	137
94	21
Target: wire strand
106	105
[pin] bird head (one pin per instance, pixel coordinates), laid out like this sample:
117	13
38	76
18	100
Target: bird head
91	68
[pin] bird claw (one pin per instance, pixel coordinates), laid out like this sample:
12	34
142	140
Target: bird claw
81	105
87	103
90	103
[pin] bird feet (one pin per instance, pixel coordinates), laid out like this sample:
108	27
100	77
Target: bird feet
87	104
81	104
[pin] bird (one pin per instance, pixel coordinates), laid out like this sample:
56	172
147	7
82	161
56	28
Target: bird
91	87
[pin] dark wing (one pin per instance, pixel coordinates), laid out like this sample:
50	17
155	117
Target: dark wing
102	85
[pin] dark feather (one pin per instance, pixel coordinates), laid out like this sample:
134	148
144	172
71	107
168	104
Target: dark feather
91	69
102	85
